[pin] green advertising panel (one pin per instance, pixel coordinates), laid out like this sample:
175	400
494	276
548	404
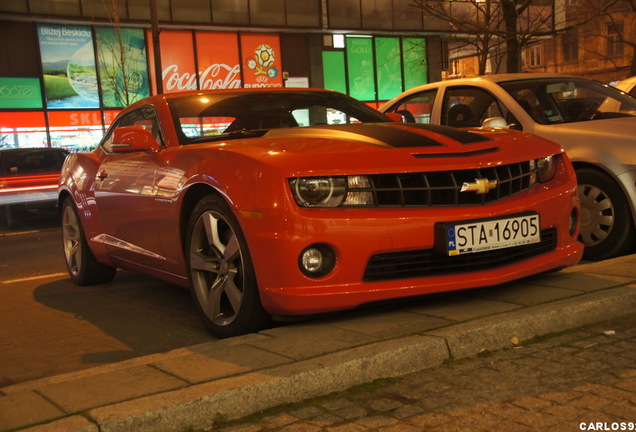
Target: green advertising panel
333	67
415	67
123	68
388	67
360	68
20	93
68	63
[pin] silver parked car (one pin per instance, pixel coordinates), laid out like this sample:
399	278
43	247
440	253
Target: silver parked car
595	123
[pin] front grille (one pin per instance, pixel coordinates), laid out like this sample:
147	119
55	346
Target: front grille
442	188
427	262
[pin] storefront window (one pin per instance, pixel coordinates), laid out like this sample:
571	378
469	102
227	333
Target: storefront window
177	58
218	60
123	72
75	130
388	67
360	68
68	64
22	129
333	63
109	117
261	60
415	66
17	93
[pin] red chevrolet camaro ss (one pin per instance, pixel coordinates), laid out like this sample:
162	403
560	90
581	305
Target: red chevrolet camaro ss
295	202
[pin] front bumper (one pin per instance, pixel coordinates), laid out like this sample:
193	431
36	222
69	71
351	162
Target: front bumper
356	235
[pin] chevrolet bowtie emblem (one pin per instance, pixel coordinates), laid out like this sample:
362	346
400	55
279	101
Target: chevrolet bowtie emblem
481	186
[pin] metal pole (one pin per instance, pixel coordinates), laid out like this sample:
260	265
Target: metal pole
156	46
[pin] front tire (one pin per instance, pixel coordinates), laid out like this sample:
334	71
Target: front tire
82	265
222	279
607	228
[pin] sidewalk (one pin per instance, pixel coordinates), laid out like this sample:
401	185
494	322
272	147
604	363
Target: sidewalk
587	376
232	378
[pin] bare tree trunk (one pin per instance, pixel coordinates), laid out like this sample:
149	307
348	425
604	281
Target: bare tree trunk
509	12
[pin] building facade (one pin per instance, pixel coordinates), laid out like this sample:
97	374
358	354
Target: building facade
67	67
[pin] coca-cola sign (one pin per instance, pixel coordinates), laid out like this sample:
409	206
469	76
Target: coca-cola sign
177	58
218	61
216	76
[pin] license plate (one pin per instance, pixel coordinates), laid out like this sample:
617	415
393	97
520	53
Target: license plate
483	235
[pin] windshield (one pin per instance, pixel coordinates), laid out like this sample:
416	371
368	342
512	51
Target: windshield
569	100
206	117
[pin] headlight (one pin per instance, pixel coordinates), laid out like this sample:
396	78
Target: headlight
546	167
332	191
319	191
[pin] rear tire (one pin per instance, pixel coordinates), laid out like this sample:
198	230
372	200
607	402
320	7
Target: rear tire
607	228
82	265
222	279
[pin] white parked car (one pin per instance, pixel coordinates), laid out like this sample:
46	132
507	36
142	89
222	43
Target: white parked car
628	85
595	123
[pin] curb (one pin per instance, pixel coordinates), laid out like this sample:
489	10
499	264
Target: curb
197	406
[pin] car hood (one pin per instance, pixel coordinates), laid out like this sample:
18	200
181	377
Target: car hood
389	146
609	130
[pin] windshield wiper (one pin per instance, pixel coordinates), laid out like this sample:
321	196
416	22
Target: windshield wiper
243	133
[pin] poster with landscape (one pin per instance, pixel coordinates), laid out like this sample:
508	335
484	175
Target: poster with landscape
68	65
123	66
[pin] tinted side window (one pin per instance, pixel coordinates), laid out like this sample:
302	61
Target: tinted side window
467	106
32	162
417	108
145	117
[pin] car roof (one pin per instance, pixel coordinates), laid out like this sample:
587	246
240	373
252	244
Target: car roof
154	99
494	78
498	78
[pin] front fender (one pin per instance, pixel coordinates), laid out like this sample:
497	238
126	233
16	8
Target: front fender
77	180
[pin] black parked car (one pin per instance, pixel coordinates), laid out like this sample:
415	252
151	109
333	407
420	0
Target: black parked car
29	178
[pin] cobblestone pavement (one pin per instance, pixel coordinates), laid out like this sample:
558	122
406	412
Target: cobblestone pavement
580	380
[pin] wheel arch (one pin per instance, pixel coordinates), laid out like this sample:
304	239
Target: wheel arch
63	194
193	195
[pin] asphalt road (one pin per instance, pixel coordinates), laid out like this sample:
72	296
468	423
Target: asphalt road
48	325
31	252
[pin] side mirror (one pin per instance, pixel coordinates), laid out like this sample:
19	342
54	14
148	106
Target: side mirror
128	139
495	122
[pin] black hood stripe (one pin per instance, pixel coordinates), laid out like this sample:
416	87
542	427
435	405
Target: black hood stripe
459	135
461	154
402	137
394	137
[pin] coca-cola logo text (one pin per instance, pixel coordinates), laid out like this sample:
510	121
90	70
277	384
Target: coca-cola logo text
215	76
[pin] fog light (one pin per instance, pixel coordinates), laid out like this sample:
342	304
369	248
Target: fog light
316	260
573	223
312	260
